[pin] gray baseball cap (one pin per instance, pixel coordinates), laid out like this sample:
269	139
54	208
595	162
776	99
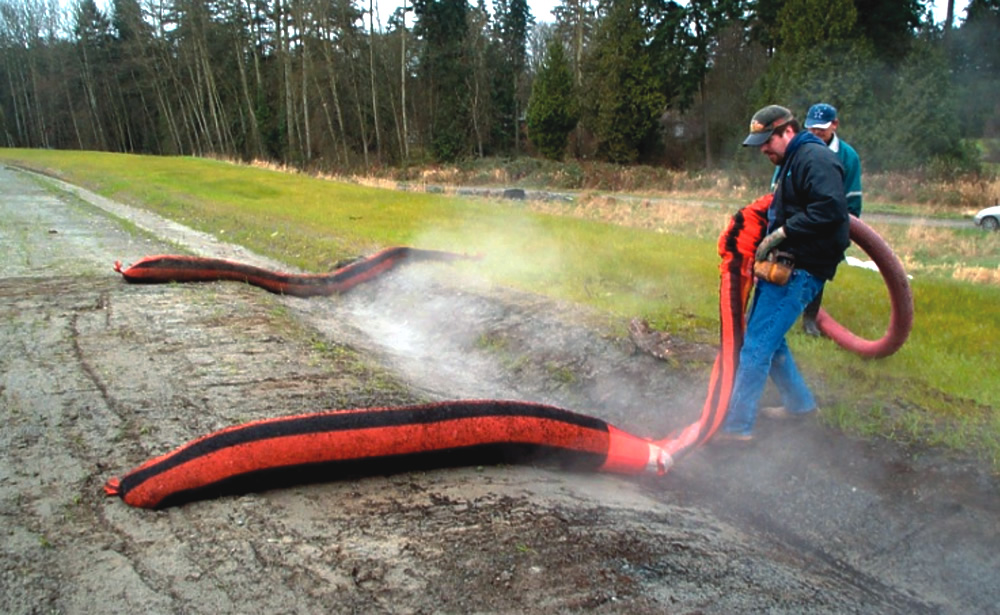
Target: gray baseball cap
765	122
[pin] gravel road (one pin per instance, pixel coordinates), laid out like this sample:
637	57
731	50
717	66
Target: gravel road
96	376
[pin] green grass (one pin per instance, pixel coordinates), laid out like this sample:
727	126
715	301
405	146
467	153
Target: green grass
940	389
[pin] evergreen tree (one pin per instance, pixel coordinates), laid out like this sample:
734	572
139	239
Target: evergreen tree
889	26
737	64
627	95
975	61
127	22
92	31
91	26
673	56
512	20
821	59
132	38
706	21
575	23
552	110
485	55
897	118
918	127
811	24
443	28
763	23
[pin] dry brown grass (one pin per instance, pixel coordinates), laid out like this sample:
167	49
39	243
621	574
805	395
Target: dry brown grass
959	271
269	165
978	193
659	215
444	175
915	190
370	181
964	196
936	242
946	252
978	275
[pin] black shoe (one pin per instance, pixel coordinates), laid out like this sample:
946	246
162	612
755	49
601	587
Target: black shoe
811	328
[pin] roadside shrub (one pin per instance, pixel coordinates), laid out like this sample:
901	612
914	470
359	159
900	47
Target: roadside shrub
963	162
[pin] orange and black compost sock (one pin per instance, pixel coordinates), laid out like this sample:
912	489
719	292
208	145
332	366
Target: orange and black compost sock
178	268
331	445
737	246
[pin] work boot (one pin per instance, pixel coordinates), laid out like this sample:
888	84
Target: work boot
727	436
810	327
780	412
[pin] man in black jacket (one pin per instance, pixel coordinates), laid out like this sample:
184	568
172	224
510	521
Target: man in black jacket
807	220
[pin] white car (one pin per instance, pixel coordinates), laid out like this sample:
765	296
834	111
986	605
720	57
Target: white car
989	218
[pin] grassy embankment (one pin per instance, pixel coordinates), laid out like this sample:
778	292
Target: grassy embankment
652	259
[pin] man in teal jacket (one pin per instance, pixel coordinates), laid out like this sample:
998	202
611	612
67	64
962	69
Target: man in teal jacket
821	120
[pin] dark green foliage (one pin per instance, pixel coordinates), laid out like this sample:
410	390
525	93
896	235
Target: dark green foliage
674	56
898	117
511	23
663	81
813	38
842	74
504	105
91	27
449	143
738	64
625	96
813	24
126	19
442	23
706	24
136	128
919	123
889	25
763	23
974	53
552	109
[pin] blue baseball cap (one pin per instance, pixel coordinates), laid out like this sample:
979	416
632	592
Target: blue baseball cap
820	116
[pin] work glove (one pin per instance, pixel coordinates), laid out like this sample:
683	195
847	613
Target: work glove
770	242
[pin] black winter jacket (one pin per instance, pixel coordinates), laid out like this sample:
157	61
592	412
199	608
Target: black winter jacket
809	201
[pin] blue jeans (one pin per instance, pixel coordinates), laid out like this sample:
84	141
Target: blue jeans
775	309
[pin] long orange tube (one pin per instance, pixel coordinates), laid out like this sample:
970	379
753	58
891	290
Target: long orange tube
179	268
330	445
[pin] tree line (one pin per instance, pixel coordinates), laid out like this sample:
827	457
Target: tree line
327	84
